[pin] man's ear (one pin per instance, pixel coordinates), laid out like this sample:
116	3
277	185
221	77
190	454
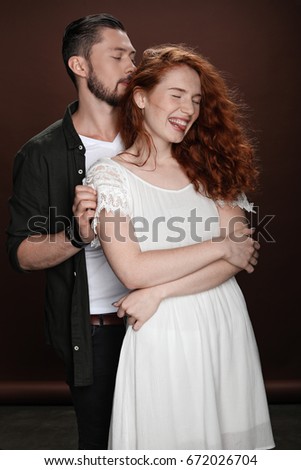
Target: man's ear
139	96
78	65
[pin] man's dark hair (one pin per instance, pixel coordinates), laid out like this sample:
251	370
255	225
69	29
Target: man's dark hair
82	34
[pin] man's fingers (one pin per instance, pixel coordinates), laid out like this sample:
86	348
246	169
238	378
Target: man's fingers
81	188
85	199
84	205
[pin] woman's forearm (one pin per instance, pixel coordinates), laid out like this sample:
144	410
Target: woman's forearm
146	269
138	269
202	280
140	305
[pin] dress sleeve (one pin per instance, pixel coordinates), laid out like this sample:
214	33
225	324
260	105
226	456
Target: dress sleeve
110	181
241	201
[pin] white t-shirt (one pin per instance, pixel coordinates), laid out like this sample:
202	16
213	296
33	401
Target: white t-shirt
104	286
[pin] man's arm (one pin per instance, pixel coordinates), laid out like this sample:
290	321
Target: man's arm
46	251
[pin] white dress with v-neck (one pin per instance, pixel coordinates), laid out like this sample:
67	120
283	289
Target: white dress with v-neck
190	378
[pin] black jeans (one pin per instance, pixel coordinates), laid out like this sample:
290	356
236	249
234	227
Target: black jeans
93	404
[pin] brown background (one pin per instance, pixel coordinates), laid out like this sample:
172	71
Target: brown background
257	43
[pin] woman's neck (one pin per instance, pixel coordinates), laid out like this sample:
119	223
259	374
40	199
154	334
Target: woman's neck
150	158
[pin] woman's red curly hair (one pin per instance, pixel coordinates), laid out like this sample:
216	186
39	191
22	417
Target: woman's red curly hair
216	153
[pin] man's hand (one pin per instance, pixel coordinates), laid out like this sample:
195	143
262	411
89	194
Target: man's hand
83	208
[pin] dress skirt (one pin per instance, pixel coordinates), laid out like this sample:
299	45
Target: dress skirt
191	378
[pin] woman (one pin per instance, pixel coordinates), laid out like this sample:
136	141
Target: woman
190	377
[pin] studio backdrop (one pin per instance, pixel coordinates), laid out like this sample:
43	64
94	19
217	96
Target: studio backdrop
256	44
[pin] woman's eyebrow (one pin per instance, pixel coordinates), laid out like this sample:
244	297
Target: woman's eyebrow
182	90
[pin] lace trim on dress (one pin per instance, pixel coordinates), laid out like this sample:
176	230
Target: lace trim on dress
241	202
112	190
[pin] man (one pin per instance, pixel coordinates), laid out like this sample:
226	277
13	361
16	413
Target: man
81	323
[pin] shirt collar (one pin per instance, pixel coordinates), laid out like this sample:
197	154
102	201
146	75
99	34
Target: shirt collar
72	137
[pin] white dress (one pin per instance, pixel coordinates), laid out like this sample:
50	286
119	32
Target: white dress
190	378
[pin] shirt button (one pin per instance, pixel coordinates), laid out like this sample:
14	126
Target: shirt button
80	172
76	348
80	147
74	274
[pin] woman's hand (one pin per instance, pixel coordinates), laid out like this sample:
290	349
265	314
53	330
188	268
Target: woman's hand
139	305
242	249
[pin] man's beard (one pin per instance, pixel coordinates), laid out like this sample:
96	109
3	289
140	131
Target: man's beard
101	92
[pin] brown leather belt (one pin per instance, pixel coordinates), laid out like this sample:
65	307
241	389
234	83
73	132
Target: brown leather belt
105	319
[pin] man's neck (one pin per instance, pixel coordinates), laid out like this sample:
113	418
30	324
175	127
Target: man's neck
96	119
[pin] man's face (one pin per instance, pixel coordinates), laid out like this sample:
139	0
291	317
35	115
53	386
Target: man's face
111	63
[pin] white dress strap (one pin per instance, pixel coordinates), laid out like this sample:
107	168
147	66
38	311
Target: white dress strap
241	201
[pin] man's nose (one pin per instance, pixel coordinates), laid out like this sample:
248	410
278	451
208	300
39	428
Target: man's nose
130	66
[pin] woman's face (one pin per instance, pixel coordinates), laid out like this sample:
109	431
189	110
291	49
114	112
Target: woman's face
172	106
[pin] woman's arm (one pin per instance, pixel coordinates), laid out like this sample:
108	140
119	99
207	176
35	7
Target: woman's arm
232	219
141	304
137	269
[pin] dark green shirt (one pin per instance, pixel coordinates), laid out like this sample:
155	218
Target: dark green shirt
46	170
